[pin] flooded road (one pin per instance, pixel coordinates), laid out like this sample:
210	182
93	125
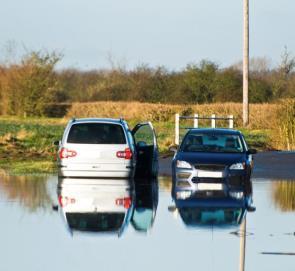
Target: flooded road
144	232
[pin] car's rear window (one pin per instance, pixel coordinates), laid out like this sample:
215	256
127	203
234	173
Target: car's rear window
96	133
95	222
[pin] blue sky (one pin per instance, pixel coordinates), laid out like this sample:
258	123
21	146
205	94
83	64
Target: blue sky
94	33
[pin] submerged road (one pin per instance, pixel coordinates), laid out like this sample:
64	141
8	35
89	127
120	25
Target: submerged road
267	165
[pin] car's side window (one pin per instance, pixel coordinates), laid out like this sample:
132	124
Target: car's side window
244	143
144	136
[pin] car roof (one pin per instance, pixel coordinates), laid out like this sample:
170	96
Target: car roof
100	120
221	131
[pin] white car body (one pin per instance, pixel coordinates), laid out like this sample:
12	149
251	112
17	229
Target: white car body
114	155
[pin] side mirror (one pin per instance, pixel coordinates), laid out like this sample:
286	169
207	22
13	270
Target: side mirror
252	151
56	143
251	209
172	208
173	148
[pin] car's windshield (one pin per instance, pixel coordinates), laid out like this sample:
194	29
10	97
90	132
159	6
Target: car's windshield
210	216
198	142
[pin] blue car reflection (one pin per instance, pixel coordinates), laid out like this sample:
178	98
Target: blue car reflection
211	212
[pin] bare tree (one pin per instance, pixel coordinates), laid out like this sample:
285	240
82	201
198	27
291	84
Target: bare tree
287	64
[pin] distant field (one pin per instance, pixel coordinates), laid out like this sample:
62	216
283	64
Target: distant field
26	144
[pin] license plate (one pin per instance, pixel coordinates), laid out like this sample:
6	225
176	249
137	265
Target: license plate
210	174
210	186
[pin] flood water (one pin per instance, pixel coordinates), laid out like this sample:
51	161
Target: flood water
148	236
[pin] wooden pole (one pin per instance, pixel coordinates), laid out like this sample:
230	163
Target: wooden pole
176	129
246	64
231	121
196	121
213	121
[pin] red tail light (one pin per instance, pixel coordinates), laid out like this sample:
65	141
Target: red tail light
64	201
127	154
126	202
66	153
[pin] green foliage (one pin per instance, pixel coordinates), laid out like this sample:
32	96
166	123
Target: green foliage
259	91
28	139
199	82
228	86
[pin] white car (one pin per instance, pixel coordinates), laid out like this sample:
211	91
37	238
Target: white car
98	147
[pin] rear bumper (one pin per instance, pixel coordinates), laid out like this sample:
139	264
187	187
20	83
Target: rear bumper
106	185
107	170
62	172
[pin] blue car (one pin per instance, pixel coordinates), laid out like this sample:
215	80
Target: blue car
212	163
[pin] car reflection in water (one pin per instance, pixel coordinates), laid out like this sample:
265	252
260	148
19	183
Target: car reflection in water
211	207
145	205
106	206
96	205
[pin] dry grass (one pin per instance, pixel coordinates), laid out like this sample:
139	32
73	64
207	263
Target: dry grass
284	132
5	138
262	116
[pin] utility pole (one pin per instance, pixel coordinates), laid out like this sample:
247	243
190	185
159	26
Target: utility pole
246	64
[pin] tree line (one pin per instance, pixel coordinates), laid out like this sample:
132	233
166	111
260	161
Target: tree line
34	87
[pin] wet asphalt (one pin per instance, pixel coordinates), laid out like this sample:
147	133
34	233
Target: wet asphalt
271	165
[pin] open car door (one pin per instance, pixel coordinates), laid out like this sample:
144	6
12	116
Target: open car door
147	150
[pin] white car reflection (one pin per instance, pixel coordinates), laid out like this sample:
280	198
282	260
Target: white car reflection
96	205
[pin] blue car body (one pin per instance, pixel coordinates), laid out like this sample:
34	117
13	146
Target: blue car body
219	166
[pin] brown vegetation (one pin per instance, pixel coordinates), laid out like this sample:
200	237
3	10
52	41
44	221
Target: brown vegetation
277	119
283	194
30	192
285	129
262	116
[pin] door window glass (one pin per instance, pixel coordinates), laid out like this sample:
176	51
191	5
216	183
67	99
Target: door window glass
144	136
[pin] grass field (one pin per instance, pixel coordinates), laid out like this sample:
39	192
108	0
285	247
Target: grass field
26	145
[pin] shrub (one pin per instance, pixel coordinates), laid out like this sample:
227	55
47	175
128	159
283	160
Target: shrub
285	129
28	86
